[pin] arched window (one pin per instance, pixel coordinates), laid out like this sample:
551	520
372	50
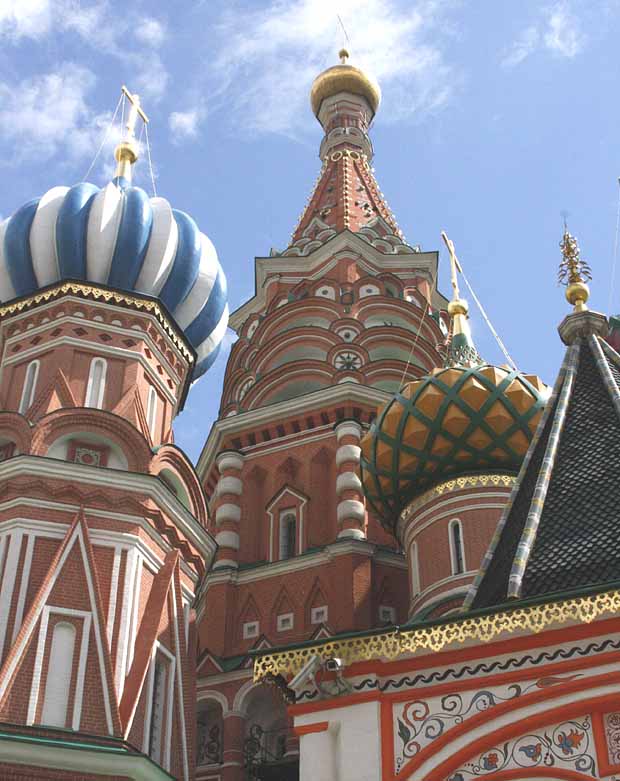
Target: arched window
457	553
58	684
96	383
288	535
30	384
151	411
158	710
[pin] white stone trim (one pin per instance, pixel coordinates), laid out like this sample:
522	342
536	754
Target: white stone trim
351	508
228	485
116	565
348	481
285	622
132	482
348	428
221	563
8	583
227	539
456	522
23	587
179	674
229	460
348	453
102	537
353	534
251	629
227	512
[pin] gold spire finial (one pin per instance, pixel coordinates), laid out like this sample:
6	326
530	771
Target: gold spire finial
126	153
574	272
462	350
457	306
344	55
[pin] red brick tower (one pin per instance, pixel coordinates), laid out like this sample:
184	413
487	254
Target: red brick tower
103	535
340	319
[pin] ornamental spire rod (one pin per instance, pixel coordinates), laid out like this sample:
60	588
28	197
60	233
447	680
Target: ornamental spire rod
462	350
126	153
574	272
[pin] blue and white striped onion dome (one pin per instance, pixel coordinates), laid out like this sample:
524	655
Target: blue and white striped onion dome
119	237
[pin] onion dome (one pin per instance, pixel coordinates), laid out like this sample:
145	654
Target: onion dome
468	417
119	237
344	78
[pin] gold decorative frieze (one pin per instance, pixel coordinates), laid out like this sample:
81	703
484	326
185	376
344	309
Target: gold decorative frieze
104	295
457	484
396	643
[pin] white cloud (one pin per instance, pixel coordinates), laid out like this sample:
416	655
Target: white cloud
185	124
563	34
25	18
48	115
101	27
270	56
150	31
558	31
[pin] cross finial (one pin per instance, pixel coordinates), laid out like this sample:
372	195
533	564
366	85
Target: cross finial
126	153
574	272
454	266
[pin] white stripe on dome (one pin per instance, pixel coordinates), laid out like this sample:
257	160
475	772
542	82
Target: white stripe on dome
214	338
7	291
161	251
43	237
199	294
103	222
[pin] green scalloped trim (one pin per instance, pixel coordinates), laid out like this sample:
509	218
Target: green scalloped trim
404	485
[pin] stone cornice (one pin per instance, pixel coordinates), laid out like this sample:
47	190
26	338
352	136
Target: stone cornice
130	482
409	264
244	421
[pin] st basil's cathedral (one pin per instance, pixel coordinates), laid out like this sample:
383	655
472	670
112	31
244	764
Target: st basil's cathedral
392	560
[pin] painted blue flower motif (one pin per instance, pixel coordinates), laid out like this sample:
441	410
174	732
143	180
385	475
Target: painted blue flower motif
532	751
568	742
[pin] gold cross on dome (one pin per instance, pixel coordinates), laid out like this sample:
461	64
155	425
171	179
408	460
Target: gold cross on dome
126	153
454	266
135	111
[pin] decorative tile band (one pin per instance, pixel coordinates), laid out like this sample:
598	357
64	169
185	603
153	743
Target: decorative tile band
99	294
395	643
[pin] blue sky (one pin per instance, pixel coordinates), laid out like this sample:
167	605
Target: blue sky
497	118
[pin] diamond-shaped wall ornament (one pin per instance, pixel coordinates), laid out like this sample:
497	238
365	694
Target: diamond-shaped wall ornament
519	442
414	433
474	393
538	384
494	373
519	395
430	400
384	455
407	462
455	421
392	419
441	446
479	439
499	418
534	421
411	388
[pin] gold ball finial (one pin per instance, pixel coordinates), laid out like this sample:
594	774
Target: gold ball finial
343	55
574	272
458	307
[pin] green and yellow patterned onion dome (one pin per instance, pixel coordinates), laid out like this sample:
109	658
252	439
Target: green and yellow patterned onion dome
462	419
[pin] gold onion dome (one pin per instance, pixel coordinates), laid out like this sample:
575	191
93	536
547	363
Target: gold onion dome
467	418
459	420
344	78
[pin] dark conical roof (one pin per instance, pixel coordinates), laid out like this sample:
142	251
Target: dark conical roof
561	528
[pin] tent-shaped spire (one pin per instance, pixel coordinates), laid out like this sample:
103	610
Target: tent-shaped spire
560	530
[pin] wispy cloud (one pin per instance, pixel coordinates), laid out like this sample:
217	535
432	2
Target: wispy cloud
269	57
558	31
185	124
48	114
